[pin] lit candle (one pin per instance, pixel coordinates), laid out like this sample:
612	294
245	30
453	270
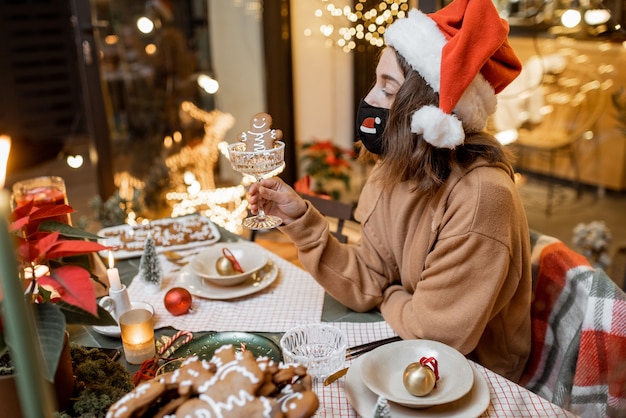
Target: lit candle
137	334
5	147
19	324
36	272
113	275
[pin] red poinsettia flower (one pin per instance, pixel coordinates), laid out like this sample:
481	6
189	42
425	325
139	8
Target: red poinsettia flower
53	260
43	239
323	161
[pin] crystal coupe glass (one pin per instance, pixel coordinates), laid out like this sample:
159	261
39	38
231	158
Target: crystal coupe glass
258	164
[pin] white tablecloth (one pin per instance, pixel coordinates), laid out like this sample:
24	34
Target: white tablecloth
293	299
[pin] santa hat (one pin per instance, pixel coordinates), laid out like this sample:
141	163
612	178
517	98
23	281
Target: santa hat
462	52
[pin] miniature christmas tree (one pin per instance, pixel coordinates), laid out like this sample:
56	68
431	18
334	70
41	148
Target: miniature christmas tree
150	266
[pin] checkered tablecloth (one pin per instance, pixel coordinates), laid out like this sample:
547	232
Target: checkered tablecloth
507	399
294	298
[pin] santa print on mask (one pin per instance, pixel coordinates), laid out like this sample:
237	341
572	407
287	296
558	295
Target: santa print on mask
370	124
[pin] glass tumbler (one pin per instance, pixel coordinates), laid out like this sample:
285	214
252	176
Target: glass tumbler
45	190
320	348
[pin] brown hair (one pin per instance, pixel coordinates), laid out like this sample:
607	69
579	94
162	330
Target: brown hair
408	157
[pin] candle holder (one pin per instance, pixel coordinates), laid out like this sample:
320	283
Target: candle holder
117	302
137	333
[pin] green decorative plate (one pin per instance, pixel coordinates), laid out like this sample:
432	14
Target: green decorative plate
205	346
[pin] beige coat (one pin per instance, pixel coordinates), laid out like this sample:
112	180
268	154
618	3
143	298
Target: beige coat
454	268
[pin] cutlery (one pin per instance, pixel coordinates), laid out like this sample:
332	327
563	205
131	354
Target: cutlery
381	410
173	255
175	258
354	352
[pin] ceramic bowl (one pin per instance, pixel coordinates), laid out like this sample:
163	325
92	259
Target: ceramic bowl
250	256
382	372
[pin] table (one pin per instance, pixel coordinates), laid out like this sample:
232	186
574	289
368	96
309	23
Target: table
506	398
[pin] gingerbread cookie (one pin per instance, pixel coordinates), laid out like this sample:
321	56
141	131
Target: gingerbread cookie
137	402
192	373
232	384
232	391
295	404
296	398
205	406
261	136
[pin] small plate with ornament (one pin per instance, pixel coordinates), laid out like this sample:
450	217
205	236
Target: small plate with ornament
383	368
258	281
214	268
363	400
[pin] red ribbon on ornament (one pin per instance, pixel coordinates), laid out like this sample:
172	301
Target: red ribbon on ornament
432	364
229	255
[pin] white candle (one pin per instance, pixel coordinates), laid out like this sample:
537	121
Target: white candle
113	274
5	147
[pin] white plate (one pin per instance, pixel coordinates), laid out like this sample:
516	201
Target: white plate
114	330
247	254
259	281
474	403
383	368
172	234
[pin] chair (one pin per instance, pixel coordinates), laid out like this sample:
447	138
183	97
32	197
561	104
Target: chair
578	352
336	210
570	102
339	211
619	264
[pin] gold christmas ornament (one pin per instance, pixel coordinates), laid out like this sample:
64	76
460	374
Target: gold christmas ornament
227	265
420	378
224	267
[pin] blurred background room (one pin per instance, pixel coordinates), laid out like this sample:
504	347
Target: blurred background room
132	103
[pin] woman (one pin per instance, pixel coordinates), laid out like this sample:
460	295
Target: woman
445	252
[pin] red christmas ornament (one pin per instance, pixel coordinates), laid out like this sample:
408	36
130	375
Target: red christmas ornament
177	301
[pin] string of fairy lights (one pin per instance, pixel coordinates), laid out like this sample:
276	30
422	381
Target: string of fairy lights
344	26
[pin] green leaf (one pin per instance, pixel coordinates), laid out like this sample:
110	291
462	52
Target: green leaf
51	332
67	230
75	315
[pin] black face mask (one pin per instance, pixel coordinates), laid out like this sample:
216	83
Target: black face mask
370	124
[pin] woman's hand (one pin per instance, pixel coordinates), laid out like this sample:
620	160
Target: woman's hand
278	199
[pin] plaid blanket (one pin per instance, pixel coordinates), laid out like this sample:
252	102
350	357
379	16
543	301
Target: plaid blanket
578	356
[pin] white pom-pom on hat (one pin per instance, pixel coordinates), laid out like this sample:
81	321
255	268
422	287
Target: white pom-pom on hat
439	129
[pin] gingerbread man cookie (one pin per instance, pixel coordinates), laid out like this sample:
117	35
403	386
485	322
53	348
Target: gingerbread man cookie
137	402
261	136
232	384
232	391
193	373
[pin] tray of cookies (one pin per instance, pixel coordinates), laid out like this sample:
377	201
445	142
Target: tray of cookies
171	234
233	383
